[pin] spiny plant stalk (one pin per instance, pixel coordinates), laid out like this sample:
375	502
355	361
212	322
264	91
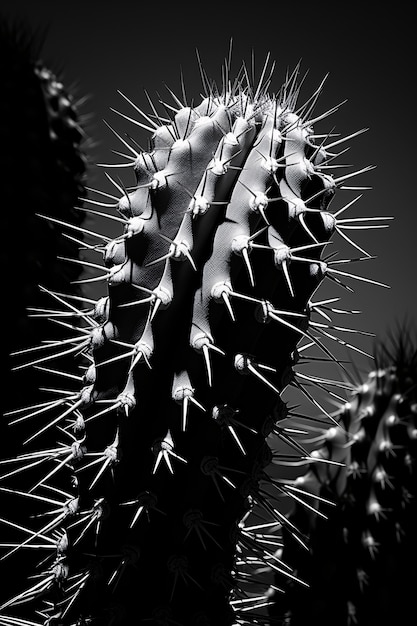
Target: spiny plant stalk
362	535
41	133
210	288
43	168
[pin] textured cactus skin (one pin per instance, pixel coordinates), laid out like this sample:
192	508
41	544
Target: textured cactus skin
209	292
362	556
43	167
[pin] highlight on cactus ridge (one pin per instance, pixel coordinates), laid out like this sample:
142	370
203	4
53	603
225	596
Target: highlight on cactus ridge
143	499
362	534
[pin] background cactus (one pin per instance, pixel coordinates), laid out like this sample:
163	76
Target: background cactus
40	128
210	289
44	167
362	546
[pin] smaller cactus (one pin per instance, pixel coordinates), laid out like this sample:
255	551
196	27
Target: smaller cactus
362	541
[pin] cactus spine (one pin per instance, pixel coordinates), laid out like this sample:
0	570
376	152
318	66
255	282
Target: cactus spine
210	287
362	537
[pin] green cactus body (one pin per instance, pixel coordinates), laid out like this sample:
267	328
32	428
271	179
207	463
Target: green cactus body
362	541
209	292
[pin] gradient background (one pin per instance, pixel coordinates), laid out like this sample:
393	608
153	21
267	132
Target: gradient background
97	48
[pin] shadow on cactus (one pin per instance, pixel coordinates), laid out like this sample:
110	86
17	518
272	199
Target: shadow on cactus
211	287
362	545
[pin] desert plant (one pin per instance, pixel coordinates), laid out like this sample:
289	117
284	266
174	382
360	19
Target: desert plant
210	289
43	166
361	539
40	130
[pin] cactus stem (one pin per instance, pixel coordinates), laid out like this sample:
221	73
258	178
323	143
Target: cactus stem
190	165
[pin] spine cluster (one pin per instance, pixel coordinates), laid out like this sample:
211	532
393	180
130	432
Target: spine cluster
210	287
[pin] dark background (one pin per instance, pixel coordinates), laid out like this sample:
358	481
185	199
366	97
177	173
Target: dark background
97	48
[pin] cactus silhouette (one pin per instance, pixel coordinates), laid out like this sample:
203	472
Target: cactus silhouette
361	539
210	288
39	129
44	167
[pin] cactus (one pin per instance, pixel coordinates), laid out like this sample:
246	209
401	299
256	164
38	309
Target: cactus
362	536
43	166
210	288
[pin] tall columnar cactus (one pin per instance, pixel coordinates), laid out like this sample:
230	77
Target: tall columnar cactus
362	540
211	285
43	168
